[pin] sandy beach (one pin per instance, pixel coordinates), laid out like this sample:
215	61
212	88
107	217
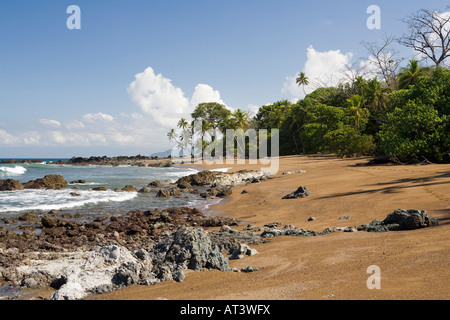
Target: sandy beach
414	264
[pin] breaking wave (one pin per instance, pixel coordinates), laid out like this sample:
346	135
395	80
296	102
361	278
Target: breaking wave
16	201
12	171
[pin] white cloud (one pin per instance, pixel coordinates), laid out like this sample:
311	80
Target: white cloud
322	69
31	138
161	105
165	103
74	124
205	93
50	123
6	138
253	109
93	117
369	67
158	97
58	137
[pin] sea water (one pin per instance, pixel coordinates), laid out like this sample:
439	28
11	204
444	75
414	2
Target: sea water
86	200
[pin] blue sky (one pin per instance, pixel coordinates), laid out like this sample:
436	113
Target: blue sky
86	92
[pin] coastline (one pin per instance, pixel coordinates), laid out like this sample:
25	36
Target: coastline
414	263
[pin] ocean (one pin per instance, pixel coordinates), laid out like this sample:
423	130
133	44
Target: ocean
88	201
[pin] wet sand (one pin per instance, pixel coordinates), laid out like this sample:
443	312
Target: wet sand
414	264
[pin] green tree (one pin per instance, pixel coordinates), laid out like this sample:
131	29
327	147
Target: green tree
376	95
409	75
414	133
272	116
357	110
183	124
212	112
241	119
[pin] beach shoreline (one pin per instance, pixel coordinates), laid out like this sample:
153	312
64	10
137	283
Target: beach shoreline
414	263
343	193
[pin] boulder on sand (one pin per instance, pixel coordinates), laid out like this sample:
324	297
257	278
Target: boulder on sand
401	219
301	192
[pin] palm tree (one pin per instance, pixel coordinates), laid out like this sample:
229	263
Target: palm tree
376	94
356	107
409	75
359	85
172	135
183	124
302	80
241	118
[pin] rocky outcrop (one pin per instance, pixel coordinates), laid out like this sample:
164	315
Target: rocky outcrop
243	250
401	219
10	185
101	271
210	184
51	181
129	188
78	275
104	160
83	258
187	248
214	178
301	192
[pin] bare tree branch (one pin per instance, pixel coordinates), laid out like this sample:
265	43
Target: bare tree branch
385	60
429	34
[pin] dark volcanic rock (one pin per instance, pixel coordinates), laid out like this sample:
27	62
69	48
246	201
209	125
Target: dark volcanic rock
10	185
202	178
301	192
163	193
190	247
401	219
103	188
155	183
129	188
51	181
78	182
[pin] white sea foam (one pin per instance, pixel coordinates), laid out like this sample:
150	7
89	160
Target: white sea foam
86	184
15	201
221	169
12	171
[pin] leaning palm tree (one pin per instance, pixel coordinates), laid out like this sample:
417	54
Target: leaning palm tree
172	135
302	80
409	75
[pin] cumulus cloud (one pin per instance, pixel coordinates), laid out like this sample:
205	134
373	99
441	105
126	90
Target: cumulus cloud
50	123
166	103
158	97
160	106
326	68
205	93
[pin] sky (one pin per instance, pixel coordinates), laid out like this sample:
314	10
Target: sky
118	84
